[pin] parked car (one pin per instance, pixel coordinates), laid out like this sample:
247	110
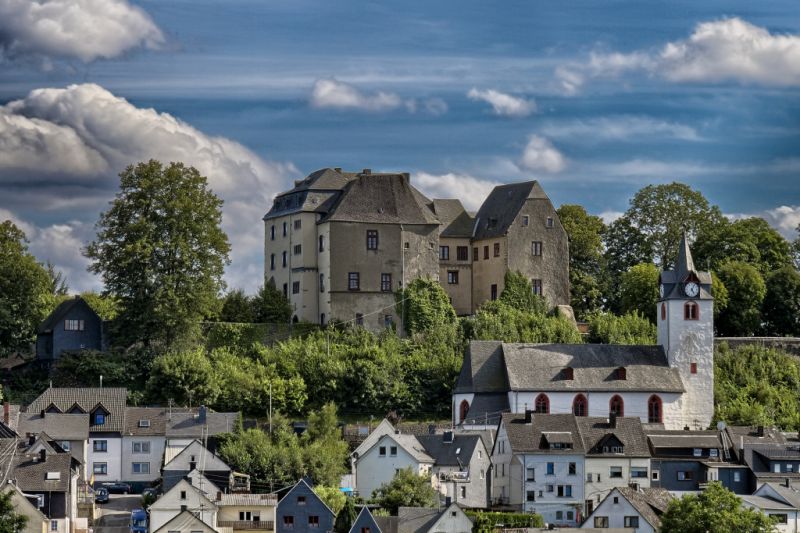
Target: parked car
117	488
101	495
138	521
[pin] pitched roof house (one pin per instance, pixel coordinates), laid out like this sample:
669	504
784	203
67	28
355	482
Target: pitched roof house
72	326
301	509
625	507
178	498
426	520
193	457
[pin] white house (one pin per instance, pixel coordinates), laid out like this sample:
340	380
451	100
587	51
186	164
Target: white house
253	512
389	454
187	522
626	507
143	441
196	457
780	501
204	425
181	497
451	519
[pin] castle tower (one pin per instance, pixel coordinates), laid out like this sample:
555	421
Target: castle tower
685	316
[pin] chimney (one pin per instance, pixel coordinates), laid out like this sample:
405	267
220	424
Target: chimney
760	431
367	171
612	420
6	413
787	483
431	429
528	416
337	169
183	508
219	495
43	455
201	414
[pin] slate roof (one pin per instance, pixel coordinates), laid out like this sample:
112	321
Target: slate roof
628	431
501	207
185	521
411	445
456	222
413	519
202	483
387	524
7	432
487	408
315	193
62	309
382	198
684	265
685	439
790	494
527	438
30	472
649	502
779	452
188	425
210	461
157	416
59	426
444	454
483	368
248	499
762	502
112	399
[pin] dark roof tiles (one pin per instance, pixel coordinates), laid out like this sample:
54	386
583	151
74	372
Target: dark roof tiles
111	399
501	207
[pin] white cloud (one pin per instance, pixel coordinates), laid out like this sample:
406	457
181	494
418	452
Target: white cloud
435	106
334	94
786	219
610	216
541	155
724	50
470	190
96	134
504	104
620	128
82	29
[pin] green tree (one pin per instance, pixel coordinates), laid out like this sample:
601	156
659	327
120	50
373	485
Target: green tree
749	240
333	497
106	306
10	520
518	294
406	489
237	307
346	517
58	282
26	290
270	306
325	452
161	250
746	291
586	260
632	328
425	306
185	376
781	307
715	510
638	290
497	321
720	294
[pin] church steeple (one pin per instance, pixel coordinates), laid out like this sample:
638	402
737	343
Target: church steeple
684	264
684	282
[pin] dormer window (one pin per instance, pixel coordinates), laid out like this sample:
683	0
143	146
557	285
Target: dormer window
568	373
99	417
621	373
144	423
76	410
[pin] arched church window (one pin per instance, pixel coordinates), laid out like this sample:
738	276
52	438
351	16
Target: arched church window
580	406
616	406
691	311
463	410
542	404
663	311
654	411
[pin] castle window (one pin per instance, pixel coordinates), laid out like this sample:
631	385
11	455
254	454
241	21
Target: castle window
616	406
536	284
462	410
462	253
286	290
663	311
536	248
444	253
691	311
654	415
452	277
542	404
525	220
493	291
386	282
272	261
272	233
283	260
372	239
568	373
353	281
295	287
359	319
321	243
475	254
497	249
297	224
486	252
322	283
693	368
580	405
284	229
549	222
298	249
621	373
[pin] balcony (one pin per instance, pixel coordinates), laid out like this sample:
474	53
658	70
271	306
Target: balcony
247	525
459	477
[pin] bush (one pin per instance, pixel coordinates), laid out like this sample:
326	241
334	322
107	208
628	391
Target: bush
631	328
498	321
489	522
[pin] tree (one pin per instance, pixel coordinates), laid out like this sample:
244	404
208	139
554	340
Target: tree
270	306
106	306
749	240
26	290
720	294
746	291
586	261
425	306
57	280
715	510
333	497
346	517
238	307
638	290
10	520
518	294
185	376
781	308
406	489
498	321
161	250
325	451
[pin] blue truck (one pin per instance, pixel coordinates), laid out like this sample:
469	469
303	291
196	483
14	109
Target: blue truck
138	521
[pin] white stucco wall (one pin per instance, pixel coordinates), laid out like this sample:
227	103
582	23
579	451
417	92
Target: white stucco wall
793	520
169	505
153	458
457	399
373	470
549	503
112	457
616	513
596	466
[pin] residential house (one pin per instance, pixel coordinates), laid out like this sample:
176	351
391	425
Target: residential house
69	431
203	484
106	410
72	326
461	467
538	463
37	521
455	253
186	522
747	441
143	444
247	512
50	480
626	507
180	497
196	457
451	519
365	523
780	501
301	509
390	454
383	428
184	427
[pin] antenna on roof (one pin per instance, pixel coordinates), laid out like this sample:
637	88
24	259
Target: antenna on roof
101	381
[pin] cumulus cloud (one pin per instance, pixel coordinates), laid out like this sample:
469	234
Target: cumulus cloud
470	190
786	219
334	94
81	29
95	134
504	104
724	50
540	155
620	128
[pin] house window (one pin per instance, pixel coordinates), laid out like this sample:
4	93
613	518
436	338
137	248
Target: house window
531	474
140	468
388	321
525	220
322	283
737	477
551	469
245	516
444	253
542	404
183	495
322	319
272	261
475	254
497	249
284	229
73	325
295	287
463	492
580	405
530	496
65	445
663	311
654	475
140	447
548	488
462	411
693	368
549	222
53	525
713	452
631	521
616	406
321	243
285	290
288	521
393	451
372	239
493	291
573	468
537	286
297	224
654	410
687	475
601	522
382	451
639	472
486	252
697	452
560	491
100	468
298	249
359	319
100	446
559	515
353	281
301	500
615	472
536	248
462	253
779	518
272	233
452	277
284	258
313	521
691	311
386	282
365	530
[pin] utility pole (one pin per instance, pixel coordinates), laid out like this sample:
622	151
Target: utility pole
270	407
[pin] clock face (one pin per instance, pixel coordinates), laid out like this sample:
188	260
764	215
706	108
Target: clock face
661	290
692	289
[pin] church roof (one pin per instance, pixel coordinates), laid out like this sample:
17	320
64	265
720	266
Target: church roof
684	267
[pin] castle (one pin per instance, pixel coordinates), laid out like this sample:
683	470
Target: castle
670	383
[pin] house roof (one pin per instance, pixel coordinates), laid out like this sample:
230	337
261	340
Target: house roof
684	439
527	438
59	426
762	502
189	425
383	428
628	430
410	444
387	524
487	408
156	418
414	519
61	310
779	452
24	506
204	458
7	432
164	502
483	368
684	266
202	483
30	472
455	220
789	494
502	206
300	485
253	500
649	502
449	453
368	517
185	521
112	399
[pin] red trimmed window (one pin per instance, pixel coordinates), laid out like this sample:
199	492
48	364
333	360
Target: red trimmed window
693	368
542	404
654	410
462	410
616	406
580	405
691	311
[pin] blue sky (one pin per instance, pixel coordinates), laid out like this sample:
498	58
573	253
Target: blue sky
594	99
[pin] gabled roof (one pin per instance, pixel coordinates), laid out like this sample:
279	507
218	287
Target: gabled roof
253	500
112	399
503	205
527	438
156	418
628	430
189	425
767	504
410	444
202	483
422	519
303	486
185	521
54	318
455	220
684	439
789	495
385	427
450	453
30	472
651	503
24	506
59	426
182	485
483	369
204	459
364	518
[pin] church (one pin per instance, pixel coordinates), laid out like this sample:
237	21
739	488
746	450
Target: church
670	384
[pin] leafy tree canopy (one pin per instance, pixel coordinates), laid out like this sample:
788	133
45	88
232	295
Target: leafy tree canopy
346	517
186	375
426	306
161	250
406	489
518	294
631	328
237	307
746	291
271	306
332	496
498	321
638	290
781	306
749	240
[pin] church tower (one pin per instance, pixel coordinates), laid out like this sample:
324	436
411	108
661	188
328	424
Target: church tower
685	317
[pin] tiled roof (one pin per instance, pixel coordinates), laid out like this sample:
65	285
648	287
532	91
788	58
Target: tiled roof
248	499
527	438
483	369
449	453
111	399
30	472
54	318
59	426
684	439
456	222
628	430
502	206
156	418
651	503
189	425
413	519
